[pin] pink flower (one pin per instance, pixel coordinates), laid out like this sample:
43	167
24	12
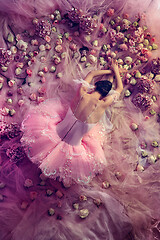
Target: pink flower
56	59
59	194
34	42
125	15
21	102
119	35
11	83
29	72
43	80
131	42
123	47
143	145
20	90
140	39
33	97
42	90
47	38
40	99
132	49
33	195
138	32
1	80
24	205
93	52
144	51
112	33
18	37
113	39
58	48
28	183
143	59
110	12
19	65
73	47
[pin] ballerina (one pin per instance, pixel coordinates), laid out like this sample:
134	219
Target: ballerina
67	144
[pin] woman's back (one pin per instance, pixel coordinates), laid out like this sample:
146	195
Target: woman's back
87	107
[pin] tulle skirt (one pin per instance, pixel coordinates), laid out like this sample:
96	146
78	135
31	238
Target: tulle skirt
55	157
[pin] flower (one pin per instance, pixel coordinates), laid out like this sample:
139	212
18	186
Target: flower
33	195
58	48
42	28
128	60
42	90
92	58
110	12
2	128
56	59
83	213
4	111
28	183
82	198
112	33
145	85
134	126
87	24
131	42
132	49
75	15
15	152
142	101
22	45
123	47
119	35
5	57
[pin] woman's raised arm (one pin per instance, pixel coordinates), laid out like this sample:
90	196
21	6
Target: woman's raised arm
95	73
119	84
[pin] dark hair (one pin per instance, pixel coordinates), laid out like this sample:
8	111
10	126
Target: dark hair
103	87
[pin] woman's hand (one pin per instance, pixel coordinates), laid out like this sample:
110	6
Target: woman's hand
114	65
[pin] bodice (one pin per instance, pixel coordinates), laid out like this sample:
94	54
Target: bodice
71	130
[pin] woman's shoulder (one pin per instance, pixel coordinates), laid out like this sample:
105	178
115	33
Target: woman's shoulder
83	91
111	98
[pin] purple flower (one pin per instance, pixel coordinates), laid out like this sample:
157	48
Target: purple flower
87	24
75	15
2	128
9	130
142	101
145	85
5	57
15	152
43	28
156	65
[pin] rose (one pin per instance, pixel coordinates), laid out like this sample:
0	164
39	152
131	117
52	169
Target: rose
110	12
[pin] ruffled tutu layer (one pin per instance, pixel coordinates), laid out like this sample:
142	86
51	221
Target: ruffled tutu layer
57	158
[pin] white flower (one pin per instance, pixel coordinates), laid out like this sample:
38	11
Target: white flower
22	45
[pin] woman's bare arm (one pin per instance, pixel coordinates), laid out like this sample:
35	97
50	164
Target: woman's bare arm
119	84
95	73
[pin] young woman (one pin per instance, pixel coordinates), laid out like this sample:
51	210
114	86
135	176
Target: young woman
68	144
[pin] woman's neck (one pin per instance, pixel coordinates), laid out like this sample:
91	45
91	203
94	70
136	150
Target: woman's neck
96	95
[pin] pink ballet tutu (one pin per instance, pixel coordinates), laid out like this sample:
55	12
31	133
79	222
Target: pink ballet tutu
57	158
